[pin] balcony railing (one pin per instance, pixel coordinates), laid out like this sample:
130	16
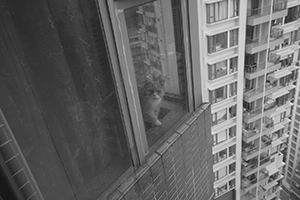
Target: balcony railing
276	33
246	182
266	141
264	160
257	12
255	67
251	113
254	91
256	41
247	133
280	5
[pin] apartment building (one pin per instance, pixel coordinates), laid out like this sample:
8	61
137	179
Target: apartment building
294	186
102	100
252	61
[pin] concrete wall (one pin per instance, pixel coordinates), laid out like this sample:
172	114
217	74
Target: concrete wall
181	169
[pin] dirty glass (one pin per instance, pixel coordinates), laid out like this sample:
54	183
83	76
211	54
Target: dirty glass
59	98
156	45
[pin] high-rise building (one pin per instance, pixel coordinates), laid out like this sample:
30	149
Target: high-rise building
250	73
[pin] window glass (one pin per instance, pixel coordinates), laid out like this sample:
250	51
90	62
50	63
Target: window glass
233	64
234	8
218	95
217	11
158	61
222	155
219	117
232	111
232	150
232	89
231	168
217	70
59	98
222	172
234	37
222	136
217	42
232	131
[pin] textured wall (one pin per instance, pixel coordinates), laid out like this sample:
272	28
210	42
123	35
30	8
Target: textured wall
180	169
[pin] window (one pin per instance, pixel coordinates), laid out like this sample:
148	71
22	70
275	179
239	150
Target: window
217	11
70	127
221	173
232	89
234	8
231	150
231	184
220	137
233	64
222	155
159	78
232	111
294	138
222	189
234	37
231	168
293	14
218	95
296	124
219	117
232	132
295	36
217	70
217	42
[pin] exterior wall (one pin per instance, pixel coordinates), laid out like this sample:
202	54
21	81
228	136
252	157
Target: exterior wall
180	169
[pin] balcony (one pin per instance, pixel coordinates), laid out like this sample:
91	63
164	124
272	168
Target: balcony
250	134
252	115
250	151
262	14
251	166
254	45
276	37
256	93
251	181
254	70
279	6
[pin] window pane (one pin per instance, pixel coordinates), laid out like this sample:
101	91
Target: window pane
158	60
217	42
234	37
59	98
217	70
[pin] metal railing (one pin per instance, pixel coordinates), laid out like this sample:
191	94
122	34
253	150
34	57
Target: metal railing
251	113
253	42
255	67
258	12
280	5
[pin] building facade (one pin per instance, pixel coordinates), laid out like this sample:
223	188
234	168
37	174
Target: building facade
251	59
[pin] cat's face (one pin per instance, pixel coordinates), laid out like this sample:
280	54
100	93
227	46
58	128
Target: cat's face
154	86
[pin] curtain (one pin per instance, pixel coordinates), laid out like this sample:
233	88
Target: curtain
222	10
234	7
59	98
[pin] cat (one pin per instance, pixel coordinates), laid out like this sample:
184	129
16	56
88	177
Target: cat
151	95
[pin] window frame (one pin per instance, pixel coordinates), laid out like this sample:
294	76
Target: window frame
122	57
